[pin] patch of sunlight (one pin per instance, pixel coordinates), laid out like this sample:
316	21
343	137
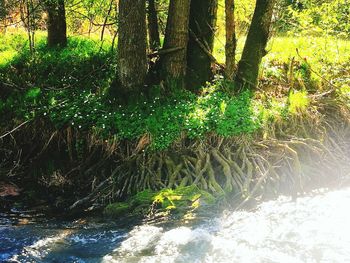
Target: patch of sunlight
298	101
314	49
270	110
223	106
41	248
6	57
281	48
199	114
345	91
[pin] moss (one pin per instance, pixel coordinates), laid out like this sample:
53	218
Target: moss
207	198
183	198
145	197
179	200
117	209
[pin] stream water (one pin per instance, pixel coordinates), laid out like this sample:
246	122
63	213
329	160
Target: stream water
315	228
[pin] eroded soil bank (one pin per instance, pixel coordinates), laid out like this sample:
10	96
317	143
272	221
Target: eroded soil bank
73	171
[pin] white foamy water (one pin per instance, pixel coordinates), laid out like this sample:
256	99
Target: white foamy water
311	229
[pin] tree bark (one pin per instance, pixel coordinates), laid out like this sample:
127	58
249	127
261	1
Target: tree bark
153	28
132	45
3	11
203	16
231	41
255	46
176	38
56	23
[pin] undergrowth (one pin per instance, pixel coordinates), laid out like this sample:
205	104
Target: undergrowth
164	120
84	64
206	136
69	88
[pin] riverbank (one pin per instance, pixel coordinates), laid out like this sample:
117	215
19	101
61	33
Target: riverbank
71	145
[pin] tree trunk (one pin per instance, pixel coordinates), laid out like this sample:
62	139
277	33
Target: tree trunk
3	17
153	29
202	24
3	11
176	38
255	46
56	23
132	45
231	41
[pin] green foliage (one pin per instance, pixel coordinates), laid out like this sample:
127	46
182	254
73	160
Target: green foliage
82	64
320	17
182	198
145	197
238	117
164	119
69	88
298	101
117	209
33	93
81	14
10	46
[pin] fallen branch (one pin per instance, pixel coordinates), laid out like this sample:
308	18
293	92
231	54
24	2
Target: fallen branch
14	129
164	51
205	50
86	200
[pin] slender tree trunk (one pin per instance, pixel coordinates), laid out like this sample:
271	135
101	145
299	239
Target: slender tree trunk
255	46
176	38
132	45
203	18
153	28
25	14
3	15
56	23
2	9
32	23
29	26
106	19
231	41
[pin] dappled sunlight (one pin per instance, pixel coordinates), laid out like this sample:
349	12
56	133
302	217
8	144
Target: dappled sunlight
315	49
298	101
199	116
6	57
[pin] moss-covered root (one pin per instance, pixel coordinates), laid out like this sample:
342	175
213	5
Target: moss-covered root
179	200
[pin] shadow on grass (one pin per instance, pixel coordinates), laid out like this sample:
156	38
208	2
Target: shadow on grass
83	64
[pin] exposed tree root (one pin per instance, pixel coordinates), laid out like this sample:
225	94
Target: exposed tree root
310	150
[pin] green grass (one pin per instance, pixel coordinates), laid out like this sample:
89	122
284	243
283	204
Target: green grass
15	45
317	50
69	88
84	64
165	120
